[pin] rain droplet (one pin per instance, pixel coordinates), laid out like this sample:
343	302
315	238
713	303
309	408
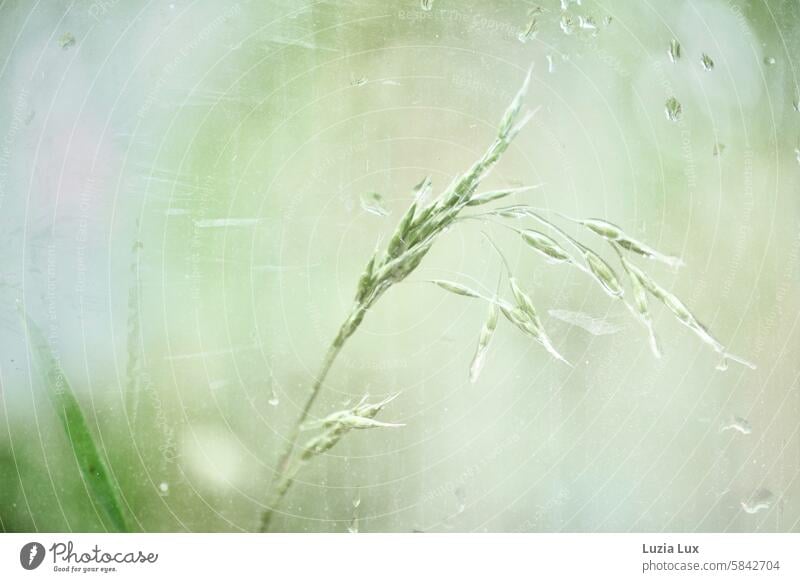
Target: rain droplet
529	32
797	154
163	488
706	61
567	24
769	61
373	203
551	67
760	500
461	498
739	424
719	148
426	5
673	109
586	23
218	384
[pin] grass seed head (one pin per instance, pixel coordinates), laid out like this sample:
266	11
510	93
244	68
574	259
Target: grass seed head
545	245
603	273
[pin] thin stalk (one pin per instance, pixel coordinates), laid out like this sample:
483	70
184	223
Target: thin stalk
284	478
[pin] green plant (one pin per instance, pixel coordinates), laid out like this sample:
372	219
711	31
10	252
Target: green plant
99	483
414	236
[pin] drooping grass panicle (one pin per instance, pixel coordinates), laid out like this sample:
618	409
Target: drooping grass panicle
98	480
416	232
413	238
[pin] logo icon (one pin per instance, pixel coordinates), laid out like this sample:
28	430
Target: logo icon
31	555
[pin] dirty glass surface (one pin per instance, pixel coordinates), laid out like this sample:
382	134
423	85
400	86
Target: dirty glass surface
190	192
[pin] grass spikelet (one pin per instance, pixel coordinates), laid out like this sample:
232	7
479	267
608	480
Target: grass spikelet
545	245
507	124
612	232
527	319
456	288
98	481
683	315
338	424
603	273
640	305
642	249
422	190
485	338
493	195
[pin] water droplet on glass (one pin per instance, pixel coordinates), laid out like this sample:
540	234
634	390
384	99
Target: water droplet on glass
719	148
66	40
163	488
738	423
529	32
586	23
673	109
373	203
426	5
550	64
461	500
706	61
797	154
760	500
567	24
769	61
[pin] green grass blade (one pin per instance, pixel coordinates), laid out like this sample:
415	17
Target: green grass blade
95	474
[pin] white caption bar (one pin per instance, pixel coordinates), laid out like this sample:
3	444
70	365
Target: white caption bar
389	557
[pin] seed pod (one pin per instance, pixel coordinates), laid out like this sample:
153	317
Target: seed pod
554	252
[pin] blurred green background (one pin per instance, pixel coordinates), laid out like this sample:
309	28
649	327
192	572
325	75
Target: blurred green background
180	187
